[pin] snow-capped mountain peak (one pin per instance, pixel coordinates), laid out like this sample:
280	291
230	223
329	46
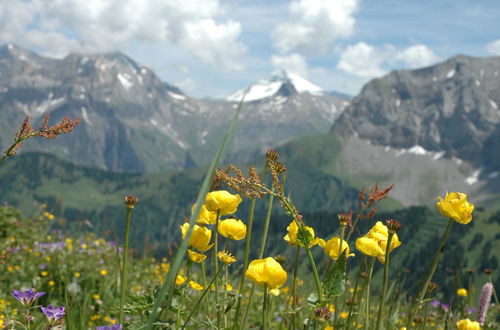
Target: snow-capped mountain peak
279	80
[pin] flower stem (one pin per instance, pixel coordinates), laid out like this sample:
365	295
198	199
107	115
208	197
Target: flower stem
368	281
315	273
353	298
431	272
216	268
123	272
264	309
245	260
204	279
200	299
386	280
294	286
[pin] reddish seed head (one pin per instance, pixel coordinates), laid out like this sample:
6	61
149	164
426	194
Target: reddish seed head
130	201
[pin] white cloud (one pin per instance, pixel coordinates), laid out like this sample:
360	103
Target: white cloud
293	63
362	60
314	25
417	56
366	61
494	47
61	26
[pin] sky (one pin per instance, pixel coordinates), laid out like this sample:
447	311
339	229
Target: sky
210	48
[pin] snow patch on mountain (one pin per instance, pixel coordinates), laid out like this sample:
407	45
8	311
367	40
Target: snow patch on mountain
270	86
125	80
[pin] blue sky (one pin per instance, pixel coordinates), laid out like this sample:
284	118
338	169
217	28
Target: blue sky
213	47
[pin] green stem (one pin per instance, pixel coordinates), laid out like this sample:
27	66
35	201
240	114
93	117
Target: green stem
216	267
368	281
316	276
123	272
353	298
386	280
245	261
204	279
226	275
264	309
432	270
261	253
335	303
200	299
294	286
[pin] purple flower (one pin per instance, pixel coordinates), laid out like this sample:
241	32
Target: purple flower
484	302
53	314
470	310
42	266
445	306
435	303
113	327
27	297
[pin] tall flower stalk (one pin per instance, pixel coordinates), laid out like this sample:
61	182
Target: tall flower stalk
130	202
367	302
386	280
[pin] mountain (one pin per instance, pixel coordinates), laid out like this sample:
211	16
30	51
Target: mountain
451	107
134	122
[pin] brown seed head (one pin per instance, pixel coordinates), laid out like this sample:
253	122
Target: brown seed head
418	320
488	271
272	155
279	167
363	274
470	271
322	313
130	201
281	259
432	287
345	219
393	226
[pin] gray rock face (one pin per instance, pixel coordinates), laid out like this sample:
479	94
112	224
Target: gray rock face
452	106
132	121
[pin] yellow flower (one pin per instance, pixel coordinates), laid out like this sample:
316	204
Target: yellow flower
232	229
467	324
275	292
344	315
329	327
332	248
462	292
52	283
205	217
456	207
229	287
291	236
369	247
195	256
103	272
44	273
77	274
96	296
266	272
200	239
180	279
222	201
226	257
196	286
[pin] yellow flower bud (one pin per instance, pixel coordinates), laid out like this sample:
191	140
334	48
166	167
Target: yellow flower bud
195	256
222	201
456	207
232	229
462	292
291	236
226	257
200	238
205	217
467	324
266	272
180	280
196	286
332	248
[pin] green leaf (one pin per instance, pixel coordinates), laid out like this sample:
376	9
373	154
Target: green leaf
335	279
304	237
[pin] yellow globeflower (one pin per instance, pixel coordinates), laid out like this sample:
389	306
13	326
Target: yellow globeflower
103	272
456	207
226	257
369	246
291	236
266	272
462	292
200	238
222	201
467	324
332	248
195	256
196	286
205	217
232	229
180	279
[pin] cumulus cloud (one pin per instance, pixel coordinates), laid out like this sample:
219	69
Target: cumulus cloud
314	25
494	47
293	63
61	26
367	61
417	56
